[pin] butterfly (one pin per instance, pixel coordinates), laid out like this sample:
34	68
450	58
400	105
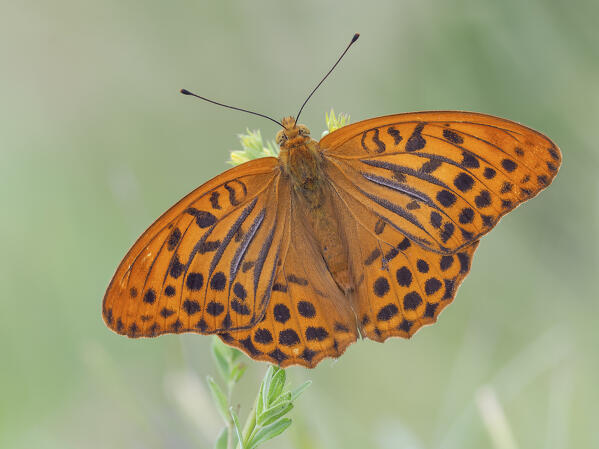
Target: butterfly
365	233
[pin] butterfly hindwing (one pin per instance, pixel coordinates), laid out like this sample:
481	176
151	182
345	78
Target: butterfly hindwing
399	285
443	179
207	264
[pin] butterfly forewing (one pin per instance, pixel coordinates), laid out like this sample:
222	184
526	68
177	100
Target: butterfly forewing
207	264
441	178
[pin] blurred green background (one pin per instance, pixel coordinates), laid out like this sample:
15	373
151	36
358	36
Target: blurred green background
96	143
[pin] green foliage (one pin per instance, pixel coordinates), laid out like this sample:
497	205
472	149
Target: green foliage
254	147
335	122
267	418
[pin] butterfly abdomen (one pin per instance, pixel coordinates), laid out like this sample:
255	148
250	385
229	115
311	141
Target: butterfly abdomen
312	190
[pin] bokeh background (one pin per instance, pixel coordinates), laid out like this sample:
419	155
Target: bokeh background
96	142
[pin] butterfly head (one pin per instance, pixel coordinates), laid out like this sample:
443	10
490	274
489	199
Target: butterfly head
292	135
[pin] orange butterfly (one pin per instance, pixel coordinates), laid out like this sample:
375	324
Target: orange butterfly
368	232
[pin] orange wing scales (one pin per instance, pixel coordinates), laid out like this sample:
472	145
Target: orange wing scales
403	201
446	183
308	318
402	285
207	264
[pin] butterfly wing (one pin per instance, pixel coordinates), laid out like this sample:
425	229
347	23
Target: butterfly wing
416	192
207	264
308	318
443	179
399	285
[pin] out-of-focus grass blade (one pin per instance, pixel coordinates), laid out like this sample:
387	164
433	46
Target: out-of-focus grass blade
219	399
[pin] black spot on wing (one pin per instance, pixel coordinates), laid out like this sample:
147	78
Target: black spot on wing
404	276
150	296
194	281
379	226
262	336
379	145
240	308
316	333
281	313
395	134
387	312
176	268
278	355
509	165
191	306
412	300
205	246
233	194
381	287
214	200
218	281
203	219
288	337
447	231
489	173
297	280
469	160
173	239
306	309
416	141
374	255
249	346
279	288
452	136
430	166
436	219
463	182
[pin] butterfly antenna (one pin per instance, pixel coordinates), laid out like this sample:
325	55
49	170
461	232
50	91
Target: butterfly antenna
353	39
186	92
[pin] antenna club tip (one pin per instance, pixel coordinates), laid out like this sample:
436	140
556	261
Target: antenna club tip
185	92
355	38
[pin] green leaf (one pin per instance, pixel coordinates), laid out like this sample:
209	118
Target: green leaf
299	390
235	353
260	400
219	352
277	384
219	399
336	122
268	433
237	372
272	414
253	148
285	397
266	383
237	428
221	441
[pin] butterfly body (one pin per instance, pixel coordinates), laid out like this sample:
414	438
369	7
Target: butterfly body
304	165
368	232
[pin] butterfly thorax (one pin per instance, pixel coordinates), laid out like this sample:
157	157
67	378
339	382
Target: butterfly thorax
302	161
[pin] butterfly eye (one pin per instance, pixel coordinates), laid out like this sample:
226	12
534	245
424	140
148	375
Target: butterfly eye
281	138
303	131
